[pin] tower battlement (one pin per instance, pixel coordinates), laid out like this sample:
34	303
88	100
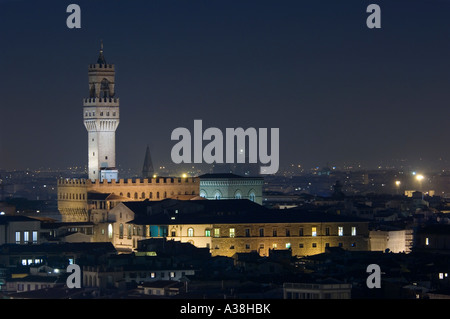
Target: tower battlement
109	67
71	181
105	101
146	181
129	181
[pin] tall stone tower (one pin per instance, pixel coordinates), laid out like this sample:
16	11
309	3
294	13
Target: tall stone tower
101	118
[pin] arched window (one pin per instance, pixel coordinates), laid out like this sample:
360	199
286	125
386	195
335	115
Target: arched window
217	195
252	196
238	194
191	232
143	195
150	195
136	195
129	232
128	195
157	195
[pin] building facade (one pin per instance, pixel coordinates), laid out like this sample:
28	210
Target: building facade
231	186
78	199
245	228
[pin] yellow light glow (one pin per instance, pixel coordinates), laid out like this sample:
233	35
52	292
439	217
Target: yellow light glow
419	177
184	175
397	183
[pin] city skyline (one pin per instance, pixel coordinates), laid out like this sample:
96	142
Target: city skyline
338	91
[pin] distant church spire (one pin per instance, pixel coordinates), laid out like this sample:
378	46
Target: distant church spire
147	169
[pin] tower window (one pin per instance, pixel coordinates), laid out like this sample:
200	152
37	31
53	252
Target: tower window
106	157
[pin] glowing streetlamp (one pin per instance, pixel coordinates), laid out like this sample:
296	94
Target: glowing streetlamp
397	183
419	179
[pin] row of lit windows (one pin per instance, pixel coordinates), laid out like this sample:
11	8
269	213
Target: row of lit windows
288	246
136	231
24	237
77	196
287	233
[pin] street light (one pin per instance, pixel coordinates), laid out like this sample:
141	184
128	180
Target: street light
419	179
397	183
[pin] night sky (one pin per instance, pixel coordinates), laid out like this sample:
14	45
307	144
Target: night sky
338	91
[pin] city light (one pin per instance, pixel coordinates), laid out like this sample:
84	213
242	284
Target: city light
419	177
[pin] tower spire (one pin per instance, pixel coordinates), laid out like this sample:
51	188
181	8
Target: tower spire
101	58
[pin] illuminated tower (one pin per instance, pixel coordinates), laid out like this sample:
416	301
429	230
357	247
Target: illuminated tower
101	118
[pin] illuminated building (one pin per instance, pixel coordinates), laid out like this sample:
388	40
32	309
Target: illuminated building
78	198
227	227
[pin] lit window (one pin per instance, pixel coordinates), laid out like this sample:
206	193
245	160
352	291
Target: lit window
26	236
340	231
314	231
427	241
17	237
207	232
274	246
252	196
288	245
216	232
353	231
441	275
191	232
110	231
232	232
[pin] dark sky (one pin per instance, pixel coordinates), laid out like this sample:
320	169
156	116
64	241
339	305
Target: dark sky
338	91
